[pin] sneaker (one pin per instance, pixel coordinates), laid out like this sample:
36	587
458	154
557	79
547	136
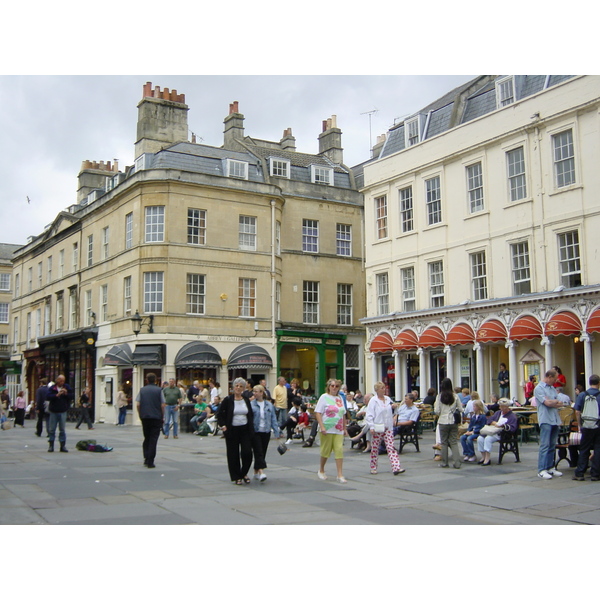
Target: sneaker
256	476
555	473
472	459
262	478
288	442
578	477
373	471
321	476
544	475
466	459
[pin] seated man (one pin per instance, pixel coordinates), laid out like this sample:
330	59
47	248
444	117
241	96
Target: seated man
504	418
407	414
201	411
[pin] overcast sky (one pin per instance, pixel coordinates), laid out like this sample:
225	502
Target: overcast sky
53	123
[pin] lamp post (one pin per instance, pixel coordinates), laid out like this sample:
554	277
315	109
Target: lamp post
137	322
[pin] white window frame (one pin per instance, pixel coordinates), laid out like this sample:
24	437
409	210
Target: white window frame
47	317
4	312
310	302
474	174
90	250
310	236
237	169
321	175
517	177
127	295
247	233
88	307
72	309
3	339
128	231
412	131
154	224
433	200
569	258
196	226
407	280
279	167
40	271
104	303
60	313
30	279
381	217
38	323
75	257
61	263
105	240
407	213
278	238
246	298
4	282
344	304
382	284
435	270
195	300
479	286
49	271
563	158
15	333
505	91
17	285
154	292
343	239
520	268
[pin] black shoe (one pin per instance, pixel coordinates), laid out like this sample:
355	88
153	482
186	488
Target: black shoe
151	466
308	443
63	448
39	434
578	477
595	479
50	446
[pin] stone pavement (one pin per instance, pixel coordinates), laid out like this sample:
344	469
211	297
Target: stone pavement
190	485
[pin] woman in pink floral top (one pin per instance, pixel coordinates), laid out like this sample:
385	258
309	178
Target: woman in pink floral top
330	413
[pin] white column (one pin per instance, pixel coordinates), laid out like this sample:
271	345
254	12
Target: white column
480	371
423	371
587	340
399	379
547	342
374	372
513	369
450	364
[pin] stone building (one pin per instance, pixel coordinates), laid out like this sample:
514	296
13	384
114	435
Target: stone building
481	227
240	260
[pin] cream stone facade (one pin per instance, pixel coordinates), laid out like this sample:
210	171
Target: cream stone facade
482	220
233	256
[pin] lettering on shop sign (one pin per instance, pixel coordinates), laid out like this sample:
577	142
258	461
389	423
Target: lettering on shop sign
299	340
222	338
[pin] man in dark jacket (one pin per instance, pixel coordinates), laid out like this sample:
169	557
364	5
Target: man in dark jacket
590	434
60	397
40	406
150	403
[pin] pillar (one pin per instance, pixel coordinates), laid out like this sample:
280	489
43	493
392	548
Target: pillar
480	372
374	372
547	342
423	371
450	364
513	369
587	340
399	382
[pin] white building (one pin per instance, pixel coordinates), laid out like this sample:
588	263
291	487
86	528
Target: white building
482	219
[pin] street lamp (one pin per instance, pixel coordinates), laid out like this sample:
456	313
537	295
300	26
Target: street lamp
137	322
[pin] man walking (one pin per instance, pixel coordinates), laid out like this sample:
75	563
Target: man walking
150	403
280	400
590	432
60	397
172	401
548	404
40	406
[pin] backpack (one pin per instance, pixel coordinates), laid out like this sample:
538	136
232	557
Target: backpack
204	429
589	414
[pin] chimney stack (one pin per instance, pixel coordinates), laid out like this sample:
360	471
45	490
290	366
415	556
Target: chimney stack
162	119
93	175
330	141
288	141
376	150
234	128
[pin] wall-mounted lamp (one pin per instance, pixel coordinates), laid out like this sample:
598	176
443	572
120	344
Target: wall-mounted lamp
137	322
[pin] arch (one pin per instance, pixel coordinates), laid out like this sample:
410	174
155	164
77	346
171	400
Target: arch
460	334
526	327
249	356
198	354
563	323
593	322
381	343
406	340
432	337
491	331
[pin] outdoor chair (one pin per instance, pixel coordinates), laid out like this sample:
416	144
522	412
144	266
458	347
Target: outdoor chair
509	442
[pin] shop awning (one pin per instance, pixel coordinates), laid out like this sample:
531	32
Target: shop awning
491	331
149	354
461	333
382	343
199	355
406	340
593	323
249	356
526	328
432	337
563	323
119	356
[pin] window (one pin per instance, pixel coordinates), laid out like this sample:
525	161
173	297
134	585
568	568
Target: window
406	209
278	300
278	238
310	235
28	332
105	235
155	224
247	235
4	282
61	264
128	231
153	292
475	187
38	323
17	285
521	275
505	92
75	262
381	217
39	274
15	333
310	302
236	168
383	294
433	201
72	308
88	307
90	250
47	308
49	272
280	168
564	158
436	284
196	224
569	259
195	292
407	276
60	312
515	160
29	279
104	303
479	276
344	304
321	175
127	295
3	312
343	239
3	339
412	133
247	298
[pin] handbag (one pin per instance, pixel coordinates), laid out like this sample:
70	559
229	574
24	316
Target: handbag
457	417
491	430
379	427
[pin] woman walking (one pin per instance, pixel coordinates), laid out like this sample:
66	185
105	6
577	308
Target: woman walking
122	406
446	406
19	407
330	415
236	419
380	421
265	419
84	411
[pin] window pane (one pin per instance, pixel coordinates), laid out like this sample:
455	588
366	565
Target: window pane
247	298
310	235
310	298
381	217
406	209
479	276
436	284
247	233
408	289
570	264
343	239
155	223
516	174
383	294
153	292
475	187
433	201
195	294
196	226
344	304
520	268
564	162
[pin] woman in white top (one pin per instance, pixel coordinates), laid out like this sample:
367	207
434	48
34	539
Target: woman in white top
379	419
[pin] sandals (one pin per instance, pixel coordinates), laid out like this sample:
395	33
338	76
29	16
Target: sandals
238	482
373	471
246	480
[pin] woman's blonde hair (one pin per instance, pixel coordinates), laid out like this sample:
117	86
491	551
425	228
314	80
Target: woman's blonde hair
379	386
258	388
474	395
478	404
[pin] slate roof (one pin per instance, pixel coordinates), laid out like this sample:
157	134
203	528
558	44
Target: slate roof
7	250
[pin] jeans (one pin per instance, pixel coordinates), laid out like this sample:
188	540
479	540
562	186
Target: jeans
281	414
122	415
171	413
548	438
59	419
466	441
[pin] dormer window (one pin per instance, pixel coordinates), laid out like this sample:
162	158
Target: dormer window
505	91
279	167
412	131
323	175
237	169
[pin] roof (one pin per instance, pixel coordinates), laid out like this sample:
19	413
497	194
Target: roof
7	251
